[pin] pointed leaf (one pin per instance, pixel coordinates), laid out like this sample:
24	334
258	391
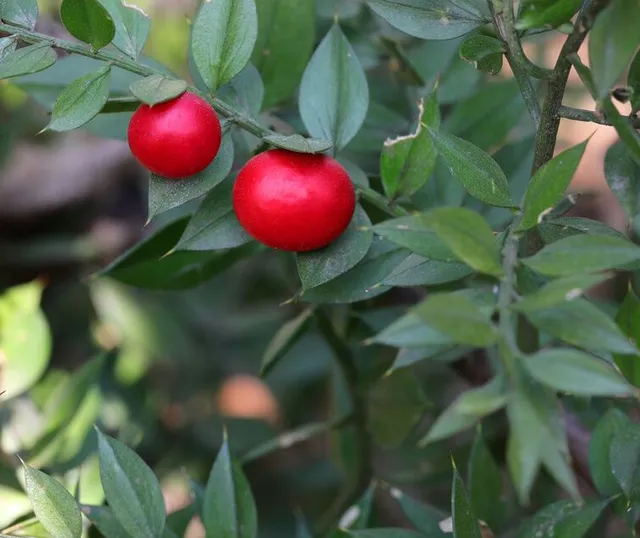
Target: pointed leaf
424	517
223	37
633	81
132	26
245	91
548	185
102	517
284	339
88	21
27	60
334	95
563	519
81	101
53	505
416	235
477	47
411	331
485	483
229	510
465	523
437	19
298	143
21	12
479	174
624	457
622	171
158	89
628	319
419	271
608	427
131	489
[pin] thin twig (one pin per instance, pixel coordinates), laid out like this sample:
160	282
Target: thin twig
578	114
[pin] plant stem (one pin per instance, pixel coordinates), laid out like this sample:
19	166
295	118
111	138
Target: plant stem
363	470
376	199
507	288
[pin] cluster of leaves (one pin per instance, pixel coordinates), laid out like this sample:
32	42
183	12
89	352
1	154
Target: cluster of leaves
438	209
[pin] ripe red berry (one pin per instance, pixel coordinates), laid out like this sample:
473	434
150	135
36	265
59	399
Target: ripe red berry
293	201
175	139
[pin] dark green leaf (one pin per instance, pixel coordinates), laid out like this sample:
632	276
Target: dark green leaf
102	517
214	225
583	325
613	422
286	35
320	266
610	52
551	14
334	95
468	235
21	12
131	489
245	91
53	505
88	21
396	404
633	81
384	533
228	510
416	235
298	143
548	185
563	519
467	410
222	40
583	254
485	483
424	517
624	457
437	19
165	194
284	339
419	271
465	522
627	133
158	89
628	319
411	331
27	60
477	47
558	291
623	176
558	228
132	26
459	318
444	353
81	101
474	169
407	162
573	371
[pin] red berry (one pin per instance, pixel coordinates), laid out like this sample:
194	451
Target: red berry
175	139
293	201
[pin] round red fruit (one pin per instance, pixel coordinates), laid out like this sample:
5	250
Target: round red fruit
175	139
294	201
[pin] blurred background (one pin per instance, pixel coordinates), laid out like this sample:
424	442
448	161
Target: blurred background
179	364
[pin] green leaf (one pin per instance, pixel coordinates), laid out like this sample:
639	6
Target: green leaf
411	331
627	133
357	175
286	35
284	340
407	162
53	505
478	47
459	318
131	488
485	483
132	26
624	457
396	404
569	370
88	21
534	15
81	101
583	325
465	522
439	19
214	225
165	194
7	45
548	185
613	422
158	89
610	52
27	60
245	91
222	39
424	517
478	173
21	12
334	95
628	319
416	235
298	143
633	81
383	533
228	507
583	254
558	291
468	235
558	228
364	281
102	517
623	176
467	410
25	338
320	266
418	271
563	519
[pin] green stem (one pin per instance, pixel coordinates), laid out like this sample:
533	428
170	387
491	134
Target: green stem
578	114
507	289
376	199
363	472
